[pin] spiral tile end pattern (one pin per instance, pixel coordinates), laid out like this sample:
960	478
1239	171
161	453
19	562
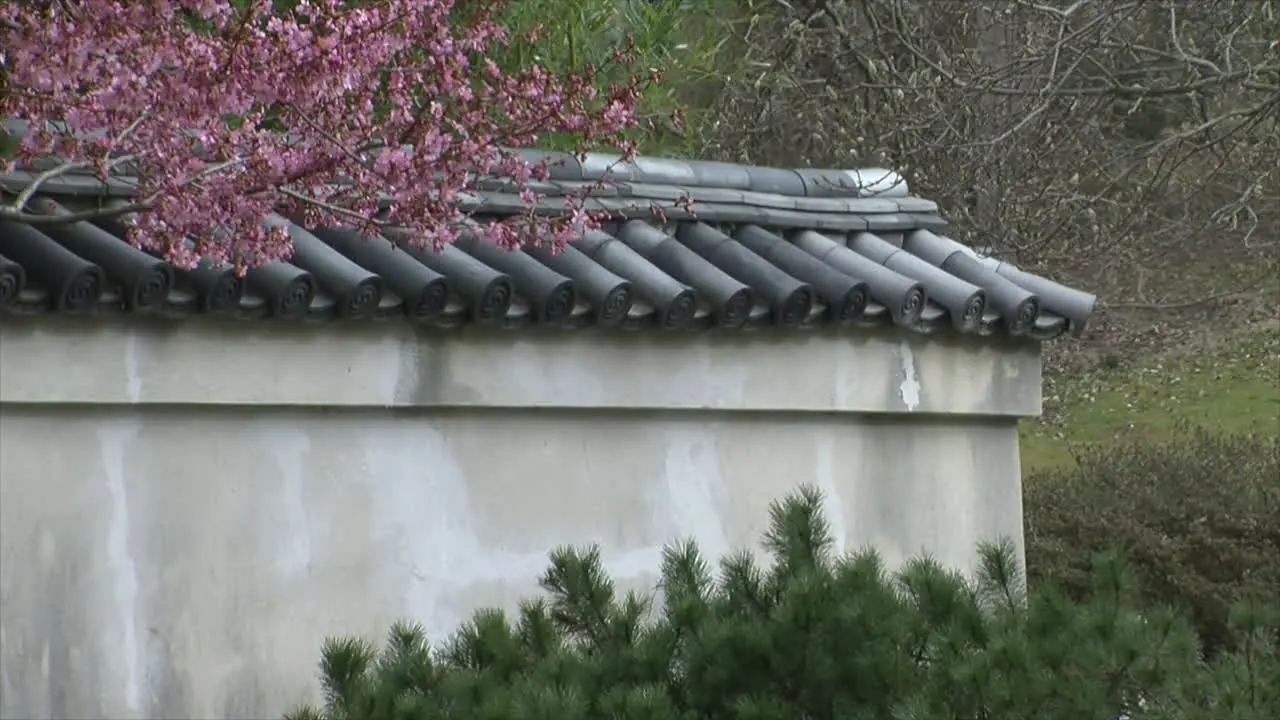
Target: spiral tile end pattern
76	285
363	301
10	286
973	312
296	298
851	305
795	308
558	304
152	288
224	295
495	301
431	300
737	309
1024	316
912	305
680	310
616	304
80	294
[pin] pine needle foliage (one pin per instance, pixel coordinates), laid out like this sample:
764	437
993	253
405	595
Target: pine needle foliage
811	635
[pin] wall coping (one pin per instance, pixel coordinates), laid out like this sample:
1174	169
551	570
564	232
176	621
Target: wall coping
74	361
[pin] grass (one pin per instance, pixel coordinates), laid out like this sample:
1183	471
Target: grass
1234	387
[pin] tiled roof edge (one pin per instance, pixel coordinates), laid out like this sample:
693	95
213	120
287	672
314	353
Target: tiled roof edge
690	275
755	247
621	200
869	182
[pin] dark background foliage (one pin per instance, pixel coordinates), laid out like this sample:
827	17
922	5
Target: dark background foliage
1198	515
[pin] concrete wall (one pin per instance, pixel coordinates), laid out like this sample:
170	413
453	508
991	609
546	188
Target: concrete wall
187	511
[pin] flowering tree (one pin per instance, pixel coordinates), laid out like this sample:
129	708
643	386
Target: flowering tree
365	114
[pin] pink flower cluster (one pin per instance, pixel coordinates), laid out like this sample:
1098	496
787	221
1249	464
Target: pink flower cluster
359	114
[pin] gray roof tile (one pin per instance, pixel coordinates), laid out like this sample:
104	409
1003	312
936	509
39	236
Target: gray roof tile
671	172
891	222
652	191
873	206
578	187
767	200
776	181
832	205
727	196
915	205
870	182
720	174
762	247
841	223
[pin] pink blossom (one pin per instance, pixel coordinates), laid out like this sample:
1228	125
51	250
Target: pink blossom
351	86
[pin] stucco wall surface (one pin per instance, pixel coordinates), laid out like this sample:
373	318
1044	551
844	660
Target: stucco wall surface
168	552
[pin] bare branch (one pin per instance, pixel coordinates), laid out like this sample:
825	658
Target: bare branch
1102	136
42	219
65	167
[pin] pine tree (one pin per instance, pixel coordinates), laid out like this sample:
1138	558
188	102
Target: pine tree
812	636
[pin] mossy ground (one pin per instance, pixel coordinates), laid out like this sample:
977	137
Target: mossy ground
1232	385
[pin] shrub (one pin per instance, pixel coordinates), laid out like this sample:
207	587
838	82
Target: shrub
1198	515
690	42
812	636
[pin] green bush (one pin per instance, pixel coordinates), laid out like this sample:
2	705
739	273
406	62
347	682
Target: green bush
1198	516
688	41
811	636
